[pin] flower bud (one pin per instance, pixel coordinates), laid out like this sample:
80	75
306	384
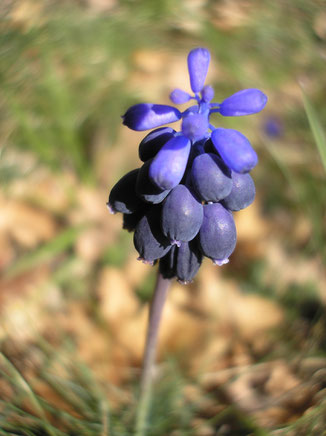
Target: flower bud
207	93
198	62
168	166
245	102
194	126
153	142
235	150
146	116
178	96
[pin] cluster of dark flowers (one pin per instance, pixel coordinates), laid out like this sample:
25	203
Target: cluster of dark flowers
180	202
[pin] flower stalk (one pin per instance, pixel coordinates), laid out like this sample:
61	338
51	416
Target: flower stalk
155	314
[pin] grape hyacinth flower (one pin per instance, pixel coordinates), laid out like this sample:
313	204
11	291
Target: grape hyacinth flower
179	203
186	171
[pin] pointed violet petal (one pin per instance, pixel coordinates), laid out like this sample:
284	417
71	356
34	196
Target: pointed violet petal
245	102
169	165
146	116
178	96
198	61
235	150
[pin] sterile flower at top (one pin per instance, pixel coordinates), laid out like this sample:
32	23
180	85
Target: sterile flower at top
180	201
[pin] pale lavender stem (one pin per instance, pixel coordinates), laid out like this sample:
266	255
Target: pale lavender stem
155	313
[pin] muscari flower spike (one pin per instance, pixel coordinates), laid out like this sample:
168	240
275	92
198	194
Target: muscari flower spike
180	202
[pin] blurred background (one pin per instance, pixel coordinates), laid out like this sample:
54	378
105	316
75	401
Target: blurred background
242	349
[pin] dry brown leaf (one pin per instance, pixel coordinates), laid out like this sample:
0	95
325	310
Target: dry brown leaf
135	271
40	187
231	14
27	225
7	252
22	306
91	244
320	24
250	224
129	336
180	330
281	380
117	300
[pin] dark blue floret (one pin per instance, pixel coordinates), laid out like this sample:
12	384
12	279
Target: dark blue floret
242	193
131	220
181	262
179	202
167	263
123	197
210	177
146	189
182	215
149	240
188	261
217	236
153	142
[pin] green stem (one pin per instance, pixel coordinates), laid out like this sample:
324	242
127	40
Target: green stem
155	313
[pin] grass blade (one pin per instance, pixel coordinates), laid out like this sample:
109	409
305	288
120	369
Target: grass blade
316	128
21	383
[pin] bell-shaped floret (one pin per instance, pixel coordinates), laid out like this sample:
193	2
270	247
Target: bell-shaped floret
146	189
131	220
194	126
210	177
154	141
217	235
209	147
182	262
168	166
182	215
198	62
245	102
167	264
123	197
242	193
146	116
178	96
187	261
149	240
235	149
207	93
